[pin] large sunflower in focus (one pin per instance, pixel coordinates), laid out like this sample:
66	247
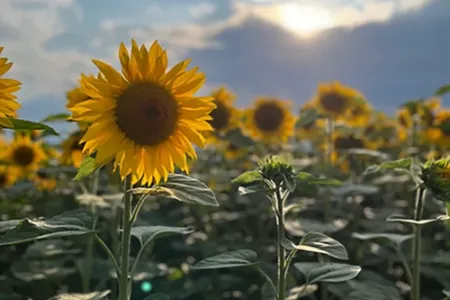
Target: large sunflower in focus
224	117
72	150
146	117
335	99
25	155
8	87
270	120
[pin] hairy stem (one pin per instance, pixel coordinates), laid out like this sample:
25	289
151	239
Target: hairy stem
124	283
417	243
281	283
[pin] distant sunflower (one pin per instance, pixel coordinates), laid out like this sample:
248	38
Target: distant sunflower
44	182
335	99
25	155
224	116
144	119
270	120
8	176
72	150
345	142
358	115
8	87
440	132
404	117
232	151
312	131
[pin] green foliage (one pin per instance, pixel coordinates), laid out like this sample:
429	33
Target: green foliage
87	167
233	259
327	272
27	126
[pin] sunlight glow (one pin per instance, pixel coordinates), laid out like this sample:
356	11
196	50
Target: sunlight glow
304	20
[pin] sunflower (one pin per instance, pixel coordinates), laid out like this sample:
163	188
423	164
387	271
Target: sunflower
358	115
72	150
335	99
404	117
7	89
231	151
270	120
8	176
224	116
440	132
44	182
312	131
145	118
25	155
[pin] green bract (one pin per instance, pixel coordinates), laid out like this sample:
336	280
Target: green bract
436	177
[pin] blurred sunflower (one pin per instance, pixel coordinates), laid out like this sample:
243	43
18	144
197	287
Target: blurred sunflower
8	176
312	131
25	155
232	151
358	115
270	120
224	117
335	99
8	87
145	118
345	142
44	182
440	132
72	150
428	110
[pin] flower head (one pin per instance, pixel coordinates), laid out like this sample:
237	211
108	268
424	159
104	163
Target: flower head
276	169
8	87
146	118
436	177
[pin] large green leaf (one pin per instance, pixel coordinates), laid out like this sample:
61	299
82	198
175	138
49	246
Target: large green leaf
248	177
237	138
233	259
406	219
145	234
403	163
310	179
24	125
318	243
88	296
8	225
189	190
76	222
87	167
327	272
307	118
394	238
56	117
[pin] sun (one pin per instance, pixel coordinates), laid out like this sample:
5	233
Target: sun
304	20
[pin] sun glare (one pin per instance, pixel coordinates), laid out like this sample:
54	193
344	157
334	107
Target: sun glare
304	20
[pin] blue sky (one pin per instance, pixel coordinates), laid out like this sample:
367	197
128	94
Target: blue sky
391	50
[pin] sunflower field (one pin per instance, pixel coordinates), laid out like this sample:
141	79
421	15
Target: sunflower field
160	193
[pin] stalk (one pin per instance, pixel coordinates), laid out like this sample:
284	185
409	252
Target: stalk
124	282
417	243
281	283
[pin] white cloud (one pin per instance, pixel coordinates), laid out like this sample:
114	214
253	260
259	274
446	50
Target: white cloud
41	71
201	10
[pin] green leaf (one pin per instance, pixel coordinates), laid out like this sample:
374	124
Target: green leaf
75	222
237	138
233	259
189	190
443	90
397	239
307	118
310	179
8	225
405	219
56	117
87	167
24	125
446	293
327	272
318	243
145	234
248	177
157	297
368	152
88	296
403	163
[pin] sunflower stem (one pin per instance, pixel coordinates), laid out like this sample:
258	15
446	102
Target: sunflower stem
330	144
124	282
417	243
281	251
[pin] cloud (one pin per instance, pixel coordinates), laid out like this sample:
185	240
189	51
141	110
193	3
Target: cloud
201	10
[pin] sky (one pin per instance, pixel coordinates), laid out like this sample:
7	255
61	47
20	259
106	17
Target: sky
390	50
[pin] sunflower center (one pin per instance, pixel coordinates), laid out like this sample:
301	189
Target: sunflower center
348	143
76	145
42	175
334	102
232	147
147	113
23	155
220	116
268	116
369	130
3	180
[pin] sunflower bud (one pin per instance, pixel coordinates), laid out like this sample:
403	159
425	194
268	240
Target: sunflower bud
436	177
274	168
